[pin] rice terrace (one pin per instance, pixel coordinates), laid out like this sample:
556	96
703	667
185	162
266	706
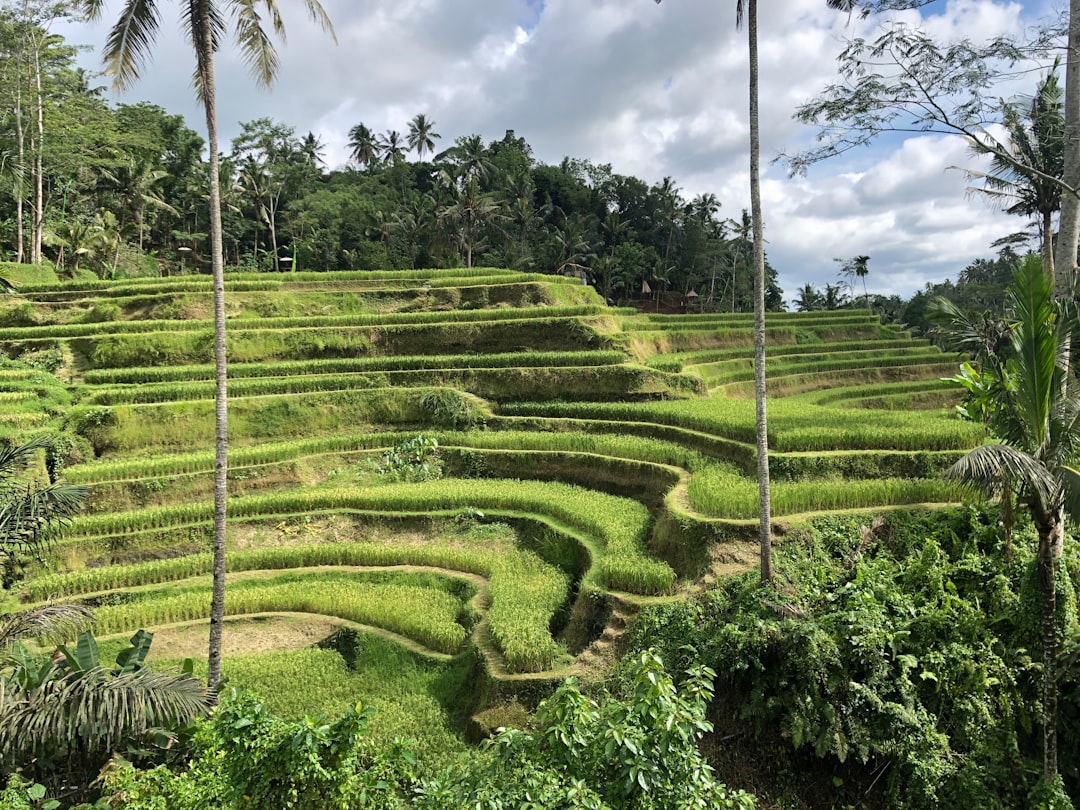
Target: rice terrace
482	475
377	472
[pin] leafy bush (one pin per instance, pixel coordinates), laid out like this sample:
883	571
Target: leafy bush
415	459
902	646
636	752
254	760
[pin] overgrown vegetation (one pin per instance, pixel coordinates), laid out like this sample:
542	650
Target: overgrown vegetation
907	645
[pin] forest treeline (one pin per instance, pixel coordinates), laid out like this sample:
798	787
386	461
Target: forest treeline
122	190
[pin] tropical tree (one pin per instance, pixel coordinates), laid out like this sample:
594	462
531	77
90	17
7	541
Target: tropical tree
61	720
1033	409
391	147
363	145
469	217
853	268
129	43
762	439
421	137
29	515
1030	184
808	298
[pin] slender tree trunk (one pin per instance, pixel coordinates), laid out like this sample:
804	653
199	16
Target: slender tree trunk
271	223
39	182
1050	538
764	501
20	169
1048	244
221	441
1069	222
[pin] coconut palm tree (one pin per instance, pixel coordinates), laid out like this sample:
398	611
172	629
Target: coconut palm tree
421	138
29	515
391	147
1033	410
62	718
363	145
1030	184
762	441
129	43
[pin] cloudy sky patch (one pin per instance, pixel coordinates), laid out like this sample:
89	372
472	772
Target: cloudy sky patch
655	90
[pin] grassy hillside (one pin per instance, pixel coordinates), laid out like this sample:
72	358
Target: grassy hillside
473	464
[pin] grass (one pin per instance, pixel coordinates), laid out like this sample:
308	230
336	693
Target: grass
420	608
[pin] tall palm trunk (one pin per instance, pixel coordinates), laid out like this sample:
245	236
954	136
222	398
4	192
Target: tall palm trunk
764	501
1069	221
1048	242
1051	535
221	440
39	172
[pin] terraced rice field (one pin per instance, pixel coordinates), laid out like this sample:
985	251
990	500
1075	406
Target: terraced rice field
589	459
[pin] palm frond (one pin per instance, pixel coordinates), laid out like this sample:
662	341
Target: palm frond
320	17
14	459
1070	488
129	42
27	515
255	45
993	468
96	712
56	623
1035	345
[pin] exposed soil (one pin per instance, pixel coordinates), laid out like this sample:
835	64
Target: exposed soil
244	636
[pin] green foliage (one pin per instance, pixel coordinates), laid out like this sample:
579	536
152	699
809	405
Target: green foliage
424	608
19	794
64	716
249	758
900	642
638	751
614	527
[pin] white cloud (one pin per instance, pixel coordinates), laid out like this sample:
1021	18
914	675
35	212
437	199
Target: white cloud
654	90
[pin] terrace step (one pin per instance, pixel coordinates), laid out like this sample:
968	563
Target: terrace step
598	658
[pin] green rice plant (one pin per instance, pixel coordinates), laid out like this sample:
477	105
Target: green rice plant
786	385
729	371
617	526
524	591
250	345
424	614
346	365
124	428
320	279
82	330
572	382
160	467
794	425
843	315
844	394
721	492
416	697
677	361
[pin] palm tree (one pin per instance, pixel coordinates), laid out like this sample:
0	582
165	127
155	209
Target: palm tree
471	158
391	147
808	298
29	515
61	721
421	138
363	146
129	43
1030	184
762	441
470	216
1033	410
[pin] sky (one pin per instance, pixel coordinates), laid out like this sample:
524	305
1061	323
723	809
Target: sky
654	90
